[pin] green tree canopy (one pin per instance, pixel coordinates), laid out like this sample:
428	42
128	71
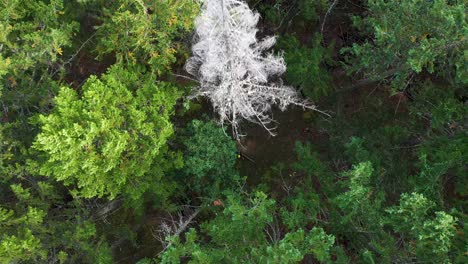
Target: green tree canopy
37	226
210	157
145	32
306	65
106	141
33	36
411	36
432	231
244	232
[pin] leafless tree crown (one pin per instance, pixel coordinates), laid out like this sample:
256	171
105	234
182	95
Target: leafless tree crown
235	70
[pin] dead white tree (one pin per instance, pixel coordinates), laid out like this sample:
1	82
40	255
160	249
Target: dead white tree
236	71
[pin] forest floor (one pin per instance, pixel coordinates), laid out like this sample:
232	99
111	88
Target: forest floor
260	150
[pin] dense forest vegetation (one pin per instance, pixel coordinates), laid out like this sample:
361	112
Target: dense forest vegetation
117	143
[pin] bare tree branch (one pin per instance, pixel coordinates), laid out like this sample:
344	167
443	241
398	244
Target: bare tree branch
173	228
326	15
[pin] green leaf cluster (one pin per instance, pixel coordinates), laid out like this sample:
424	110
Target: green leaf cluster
40	226
306	66
210	157
144	32
432	231
107	141
241	233
410	37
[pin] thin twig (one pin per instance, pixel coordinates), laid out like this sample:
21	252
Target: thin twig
75	54
326	15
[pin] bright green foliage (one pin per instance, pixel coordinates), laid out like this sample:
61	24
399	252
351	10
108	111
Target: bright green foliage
5	65
143	32
241	225
241	234
363	205
306	66
210	156
33	34
17	241
395	152
294	245
38	226
360	210
357	200
433	235
38	222
352	205
410	37
357	213
106	141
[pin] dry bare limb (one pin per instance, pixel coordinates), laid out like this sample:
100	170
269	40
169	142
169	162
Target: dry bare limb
172	228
